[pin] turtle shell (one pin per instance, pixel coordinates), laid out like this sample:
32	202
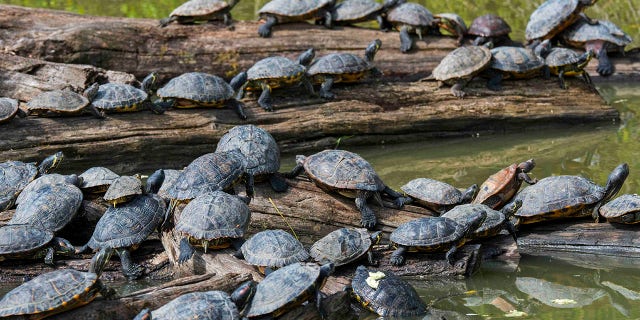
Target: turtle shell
275	68
198	8
273	248
118	97
515	60
491	225
339	169
489	25
394	297
432	193
50	207
256	145
338	63
8	109
14	176
411	14
197	86
97	179
581	32
499	188
170	177
212	305
50	293
341	246
22	240
293	8
559	57
46	179
63	101
623	209
355	10
462	63
122	189
454	19
552	17
430	232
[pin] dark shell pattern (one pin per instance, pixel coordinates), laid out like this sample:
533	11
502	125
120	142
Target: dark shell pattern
581	32
462	63
622	205
273	248
58	100
197	86
124	186
199	305
113	96
97	177
338	63
549	17
342	170
350	10
425	232
293	8
14	176
274	68
170	178
195	8
50	207
341	246
46	179
256	144
412	14
432	191
213	216
558	57
8	108
515	59
493	220
22	239
489	25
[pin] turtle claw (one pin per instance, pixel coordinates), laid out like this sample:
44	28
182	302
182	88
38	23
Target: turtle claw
368	222
397	260
401	201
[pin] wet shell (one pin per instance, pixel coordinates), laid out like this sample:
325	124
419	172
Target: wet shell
14	176
338	63
58	100
98	179
22	239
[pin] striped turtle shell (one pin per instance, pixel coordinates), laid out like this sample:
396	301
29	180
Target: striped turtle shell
47	179
118	97
273	248
559	57
341	246
623	209
197	86
122	189
551	17
433	193
256	145
489	25
8	109
275	68
293	8
411	14
339	169
97	179
462	63
50	207
14	176
22	240
198	8
515	60
355	10
208	305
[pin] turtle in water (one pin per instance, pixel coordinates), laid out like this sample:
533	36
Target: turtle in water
516	63
123	189
348	12
489	28
119	97
567	197
9	109
272	249
23	241
260	150
623	209
495	222
275	72
566	62
409	17
437	195
201	10
501	186
285	11
199	89
64	102
344	246
553	16
460	66
453	24
386	294
348	174
343	67
97	179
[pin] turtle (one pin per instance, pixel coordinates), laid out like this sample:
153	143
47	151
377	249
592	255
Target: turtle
344	246
285	11
343	67
123	189
493	224
16	175
501	186
194	89
601	38
47	179
566	62
409	17
386	294
460	66
437	195
201	10
22	241
553	16
489	28
97	179
64	102
272	249
170	177
567	196
260	150
623	209
9	109
435	234
348	174
288	287
126	226
119	97
516	63
453	24
213	220
275	72
349	12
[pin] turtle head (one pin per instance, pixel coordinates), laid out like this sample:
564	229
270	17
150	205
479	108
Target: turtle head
306	57
99	261
542	49
51	162
154	182
527	166
73	179
91	92
511	208
242	295
585	58
372	49
239	80
474	221
376	237
469	194
300	159
150	82
616	179
587	3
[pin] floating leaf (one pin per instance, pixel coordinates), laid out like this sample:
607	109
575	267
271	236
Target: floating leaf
515	314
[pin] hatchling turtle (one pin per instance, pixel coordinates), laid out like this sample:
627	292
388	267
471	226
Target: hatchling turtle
56	291
566	62
48	179
97	179
344	246
460	66
201	10
353	11
288	287
285	11
23	241
119	97
198	89
453	24
493	224
516	63
437	195
489	28
16	175
212	221
271	249
348	174
123	189
386	294
501	186
275	72
343	67
436	234
623	209
260	150
553	16
409	17
567	197
9	109
64	102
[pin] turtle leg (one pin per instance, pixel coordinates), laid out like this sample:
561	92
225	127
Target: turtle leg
495	81
398	199
456	89
82	249
296	171
397	257
605	67
93	110
563	85
265	97
166	21
240	93
382	23
227	19
406	43
546	72
131	270
328	20
168	215
587	79
478	41
511	229
105	292
325	88
238	107
368	216
265	29
450	254
308	85
21	113
48	257
278	184
460	37
186	251
249	182
370	259
155	108
319	296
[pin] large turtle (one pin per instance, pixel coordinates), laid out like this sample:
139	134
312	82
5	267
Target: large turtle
201	10
453	24
553	16
623	209
567	197
344	246
119	97
516	63
275	72
97	179
460	66
437	195
343	67
495	222
47	179
123	189
348	174
199	89
566	62
29	242
9	109
349	12
284	11
409	17
272	249
501	186
489	28
64	102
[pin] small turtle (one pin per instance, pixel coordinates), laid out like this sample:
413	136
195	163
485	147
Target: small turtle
453	24
260	150
285	11
437	195
566	62
344	246
553	16
97	179
56	291
118	97
343	67
213	220
386	294
493	224
567	197
29	242
275	72
348	174
409	17
16	175
9	109
349	12
271	249
64	102
623	209
436	234
289	287
47	179
501	186
460	66
201	10
489	28
516	63
123	189
196	89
